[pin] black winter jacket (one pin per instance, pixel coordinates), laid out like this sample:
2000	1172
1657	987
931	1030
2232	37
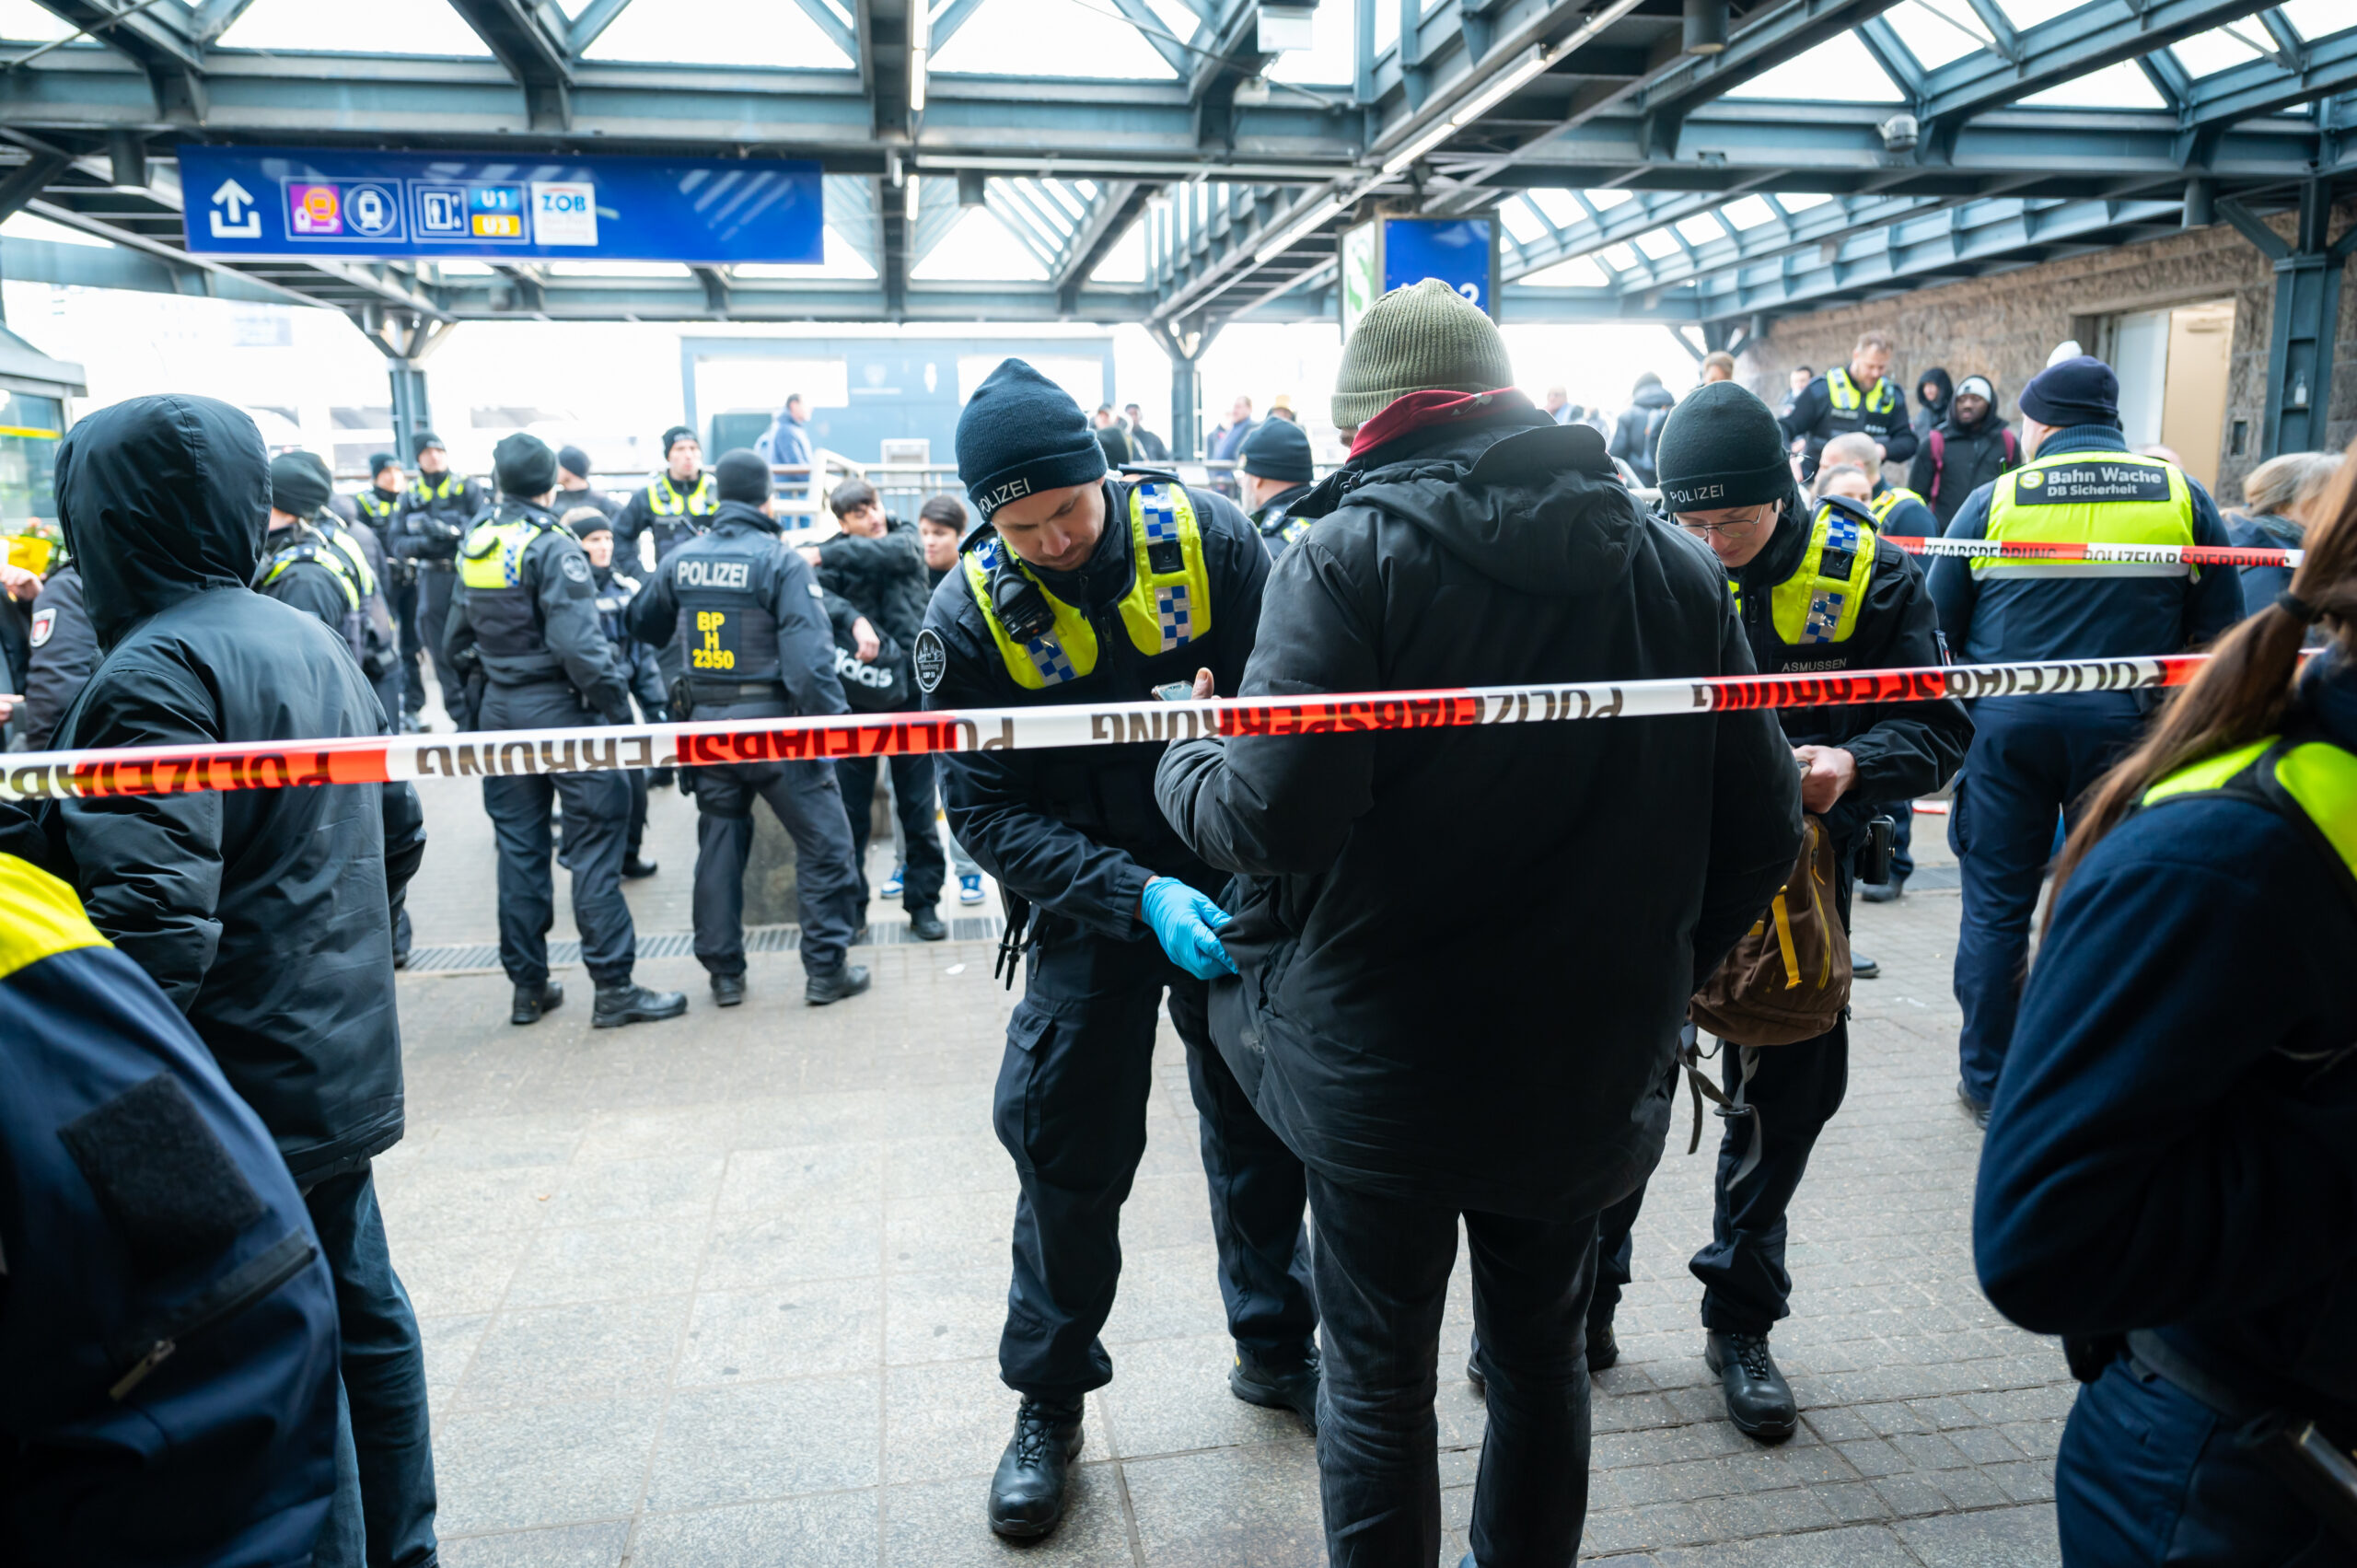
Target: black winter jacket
1967	458
1076	830
1410	1039
1903	749
265	914
884	579
1629	443
64	652
779	629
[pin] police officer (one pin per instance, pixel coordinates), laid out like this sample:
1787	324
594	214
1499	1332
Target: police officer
1275	470
378	507
525	615
1082	588
748	621
2033	757
1823	596
1896	510
436	512
573	488
1861	397
615	590
63	651
2166	1176
675	504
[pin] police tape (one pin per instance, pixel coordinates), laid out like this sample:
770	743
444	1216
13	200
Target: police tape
281	764
2148	554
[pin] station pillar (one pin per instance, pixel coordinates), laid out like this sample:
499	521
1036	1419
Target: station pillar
2307	313
405	341
1185	351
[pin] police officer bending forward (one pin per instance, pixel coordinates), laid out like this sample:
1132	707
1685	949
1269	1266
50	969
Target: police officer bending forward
526	616
747	619
1084	588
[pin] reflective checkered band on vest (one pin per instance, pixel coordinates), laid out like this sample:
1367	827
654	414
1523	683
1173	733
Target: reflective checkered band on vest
1825	605
1046	652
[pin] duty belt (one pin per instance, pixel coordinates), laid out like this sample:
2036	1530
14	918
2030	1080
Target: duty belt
724	691
433	562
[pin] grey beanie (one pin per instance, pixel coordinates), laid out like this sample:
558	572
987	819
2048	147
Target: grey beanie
1422	337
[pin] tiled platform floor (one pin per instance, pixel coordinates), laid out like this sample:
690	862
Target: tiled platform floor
727	1291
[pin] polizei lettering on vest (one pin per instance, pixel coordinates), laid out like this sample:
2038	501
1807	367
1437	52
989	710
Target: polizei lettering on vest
695	573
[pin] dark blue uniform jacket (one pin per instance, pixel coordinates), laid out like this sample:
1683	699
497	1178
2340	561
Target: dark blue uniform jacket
1076	831
774	629
2174	1140
2003	621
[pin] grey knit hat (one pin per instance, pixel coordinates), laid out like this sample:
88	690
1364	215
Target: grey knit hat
1422	337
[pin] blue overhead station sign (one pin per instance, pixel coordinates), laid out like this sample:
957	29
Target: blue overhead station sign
414	206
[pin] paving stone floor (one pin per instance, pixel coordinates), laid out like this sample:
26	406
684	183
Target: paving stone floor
727	1291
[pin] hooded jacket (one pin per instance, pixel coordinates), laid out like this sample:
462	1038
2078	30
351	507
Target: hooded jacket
1929	414
1407	1036
1628	442
264	914
884	577
1962	458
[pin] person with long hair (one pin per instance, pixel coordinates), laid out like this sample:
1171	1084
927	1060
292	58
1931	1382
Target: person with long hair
2280	499
2169	1179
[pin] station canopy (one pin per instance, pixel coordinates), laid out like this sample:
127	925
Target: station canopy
1184	163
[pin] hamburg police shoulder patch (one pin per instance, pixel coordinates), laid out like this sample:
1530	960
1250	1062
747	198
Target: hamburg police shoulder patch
931	658
44	623
575	566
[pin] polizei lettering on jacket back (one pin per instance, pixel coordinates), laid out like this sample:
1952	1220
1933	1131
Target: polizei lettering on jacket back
699	572
2066	484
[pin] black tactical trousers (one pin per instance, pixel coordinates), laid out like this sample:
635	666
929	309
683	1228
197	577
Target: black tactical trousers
596	814
402	598
912	802
1071	1109
809	805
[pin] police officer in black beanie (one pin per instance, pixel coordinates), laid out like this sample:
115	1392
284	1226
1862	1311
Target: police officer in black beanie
747	620
1274	470
1816	593
525	619
673	506
1082	588
574	489
436	512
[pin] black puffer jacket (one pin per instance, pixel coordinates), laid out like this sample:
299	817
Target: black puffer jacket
1411	1035
884	579
265	914
1634	434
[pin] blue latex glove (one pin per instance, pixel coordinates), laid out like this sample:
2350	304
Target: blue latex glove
1187	924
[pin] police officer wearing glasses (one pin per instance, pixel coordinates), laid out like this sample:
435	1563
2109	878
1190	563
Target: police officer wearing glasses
1818	593
1087	587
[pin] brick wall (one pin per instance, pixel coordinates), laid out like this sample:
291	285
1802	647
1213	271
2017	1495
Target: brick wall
2005	326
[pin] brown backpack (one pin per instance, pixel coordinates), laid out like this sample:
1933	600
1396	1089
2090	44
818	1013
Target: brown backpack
1788	978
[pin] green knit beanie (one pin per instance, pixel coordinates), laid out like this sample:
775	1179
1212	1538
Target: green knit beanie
1422	337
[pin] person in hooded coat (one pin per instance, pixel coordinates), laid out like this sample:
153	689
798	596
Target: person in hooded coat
1936	393
1640	425
1967	449
1427	1067
266	915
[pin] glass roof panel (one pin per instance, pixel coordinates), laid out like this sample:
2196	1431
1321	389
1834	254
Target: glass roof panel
979	250
1328	60
2206	54
1557	206
24	21
2318	18
1604	201
1386	27
841	262
1580	271
2115	86
670	271
1748	212
28	225
1937	31
360	26
1701	229
1177	20
1124	260
1050	37
1620	257
1801	200
2029	13
1658	244
1522	222
681	32
1837	71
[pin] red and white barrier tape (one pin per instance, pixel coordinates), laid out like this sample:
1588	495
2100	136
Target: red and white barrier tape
174	769
2152	554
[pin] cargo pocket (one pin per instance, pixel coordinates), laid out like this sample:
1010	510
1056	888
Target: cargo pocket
1014	1111
1959	824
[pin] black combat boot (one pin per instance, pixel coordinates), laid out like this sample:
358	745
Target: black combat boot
1277	1385
728	989
627	1004
1759	1400
1603	1348
634	867
848	980
531	1000
1028	1493
925	927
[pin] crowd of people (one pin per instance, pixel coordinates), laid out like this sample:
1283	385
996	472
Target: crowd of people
210	1052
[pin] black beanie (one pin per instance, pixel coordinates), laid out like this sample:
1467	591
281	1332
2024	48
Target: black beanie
573	460
298	484
741	475
524	465
1721	447
379	461
671	439
2077	391
421	441
586	520
1277	448
1021	433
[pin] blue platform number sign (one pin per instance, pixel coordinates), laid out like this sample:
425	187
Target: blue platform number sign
1461	253
389	206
